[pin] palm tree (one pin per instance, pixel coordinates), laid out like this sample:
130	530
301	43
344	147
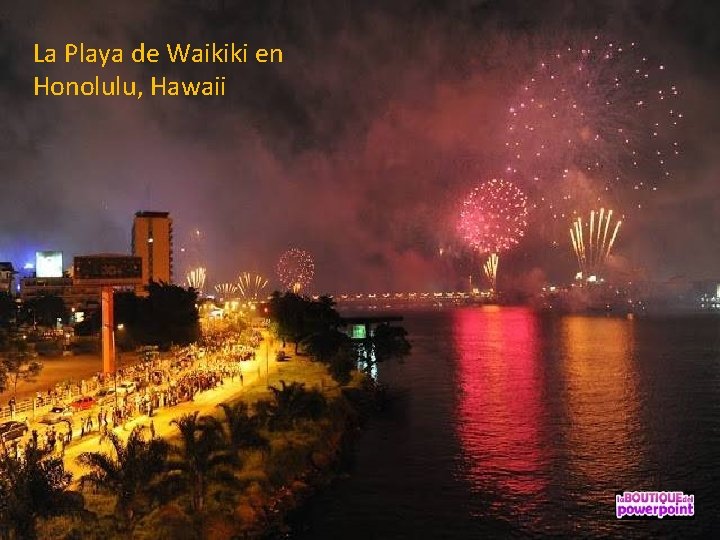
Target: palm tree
31	487
326	342
130	473
243	430
201	457
292	402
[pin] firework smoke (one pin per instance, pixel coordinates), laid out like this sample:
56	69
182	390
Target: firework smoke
594	122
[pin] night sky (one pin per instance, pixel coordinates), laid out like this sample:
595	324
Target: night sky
358	147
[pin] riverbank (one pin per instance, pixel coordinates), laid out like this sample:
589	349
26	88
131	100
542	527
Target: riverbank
269	484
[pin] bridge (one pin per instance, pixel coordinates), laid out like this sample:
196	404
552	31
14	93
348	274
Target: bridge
378	300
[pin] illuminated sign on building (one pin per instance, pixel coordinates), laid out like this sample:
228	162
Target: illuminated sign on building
107	270
48	264
358	331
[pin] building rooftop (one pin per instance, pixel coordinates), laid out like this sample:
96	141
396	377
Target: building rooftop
104	255
6	267
146	214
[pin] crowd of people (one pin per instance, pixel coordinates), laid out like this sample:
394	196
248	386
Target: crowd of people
162	382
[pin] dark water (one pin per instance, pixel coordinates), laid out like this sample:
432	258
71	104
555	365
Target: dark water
509	424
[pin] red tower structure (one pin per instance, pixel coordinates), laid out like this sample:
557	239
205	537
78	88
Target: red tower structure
109	272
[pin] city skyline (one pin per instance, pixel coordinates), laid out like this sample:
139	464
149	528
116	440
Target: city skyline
365	177
274	268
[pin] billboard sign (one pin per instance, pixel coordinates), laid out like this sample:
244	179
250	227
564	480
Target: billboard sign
48	264
107	270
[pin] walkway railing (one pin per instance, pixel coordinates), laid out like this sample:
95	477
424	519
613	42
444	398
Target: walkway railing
33	407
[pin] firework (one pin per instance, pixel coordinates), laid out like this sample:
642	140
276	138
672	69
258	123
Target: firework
492	220
192	249
251	285
591	120
592	243
195	278
493	217
295	270
490	267
226	290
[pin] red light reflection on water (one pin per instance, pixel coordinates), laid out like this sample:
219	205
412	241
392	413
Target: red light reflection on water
499	410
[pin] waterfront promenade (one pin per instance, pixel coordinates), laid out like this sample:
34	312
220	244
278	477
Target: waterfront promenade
254	378
256	375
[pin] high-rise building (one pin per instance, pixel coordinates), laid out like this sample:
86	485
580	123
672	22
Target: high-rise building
7	275
152	240
76	297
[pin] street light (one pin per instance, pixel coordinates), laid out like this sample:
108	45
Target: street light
116	364
268	344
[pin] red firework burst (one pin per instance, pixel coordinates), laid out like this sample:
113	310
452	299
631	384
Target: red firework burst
493	217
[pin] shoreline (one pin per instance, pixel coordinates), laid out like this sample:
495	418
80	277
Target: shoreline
294	501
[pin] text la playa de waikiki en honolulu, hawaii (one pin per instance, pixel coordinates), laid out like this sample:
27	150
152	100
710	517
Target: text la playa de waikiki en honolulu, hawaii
177	53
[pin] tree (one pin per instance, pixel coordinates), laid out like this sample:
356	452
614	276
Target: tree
8	309
326	342
126	308
131	473
167	316
16	364
292	402
33	487
126	311
335	349
315	325
44	310
242	430
201	457
320	315
390	342
126	316
288	310
90	325
341	365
